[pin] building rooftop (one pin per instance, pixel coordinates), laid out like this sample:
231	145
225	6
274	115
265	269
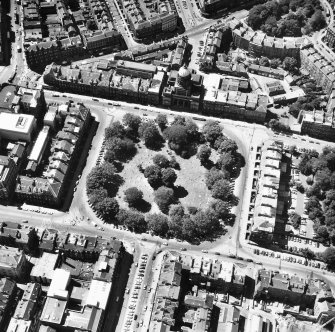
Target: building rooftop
53	311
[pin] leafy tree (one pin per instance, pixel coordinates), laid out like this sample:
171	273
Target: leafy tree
264	61
169	177
222	190
97	195
33	242
178	138
295	219
158	224
228	145
275	63
161	161
103	177
90	25
220	209
207	225
108	208
179	120
133	196
204	154
290	64
119	149
317	21
215	175
162	121
322	233
134	220
211	131
308	253
329	257
132	121
154	175
150	134
231	163
116	129
164	197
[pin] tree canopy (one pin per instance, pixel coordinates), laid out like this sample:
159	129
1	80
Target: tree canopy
287	18
133	196
164	197
149	132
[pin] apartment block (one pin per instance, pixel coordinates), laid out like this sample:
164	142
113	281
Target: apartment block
330	36
259	44
318	68
120	80
266	205
49	189
147	18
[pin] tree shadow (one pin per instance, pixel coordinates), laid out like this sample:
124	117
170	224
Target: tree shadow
118	166
180	192
142	206
208	164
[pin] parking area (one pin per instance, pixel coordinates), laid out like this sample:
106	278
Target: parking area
131	320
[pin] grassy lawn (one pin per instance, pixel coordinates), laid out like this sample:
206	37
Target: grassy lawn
191	177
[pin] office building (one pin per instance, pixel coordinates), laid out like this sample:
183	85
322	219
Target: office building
17	126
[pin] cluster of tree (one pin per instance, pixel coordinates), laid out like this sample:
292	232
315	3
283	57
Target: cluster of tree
306	103
194	227
162	172
149	133
321	204
120	138
266	62
183	136
290	64
102	185
287	17
230	161
276	125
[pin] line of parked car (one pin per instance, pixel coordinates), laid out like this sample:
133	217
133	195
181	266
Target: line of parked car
131	316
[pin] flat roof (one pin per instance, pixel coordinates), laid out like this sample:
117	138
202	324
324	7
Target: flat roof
45	266
16	122
39	145
53	310
60	280
19	325
98	294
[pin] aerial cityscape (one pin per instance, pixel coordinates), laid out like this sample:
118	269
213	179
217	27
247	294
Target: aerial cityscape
167	165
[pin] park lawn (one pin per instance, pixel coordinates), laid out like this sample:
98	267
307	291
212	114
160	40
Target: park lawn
191	177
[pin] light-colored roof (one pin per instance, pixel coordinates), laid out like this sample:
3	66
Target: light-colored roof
98	294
